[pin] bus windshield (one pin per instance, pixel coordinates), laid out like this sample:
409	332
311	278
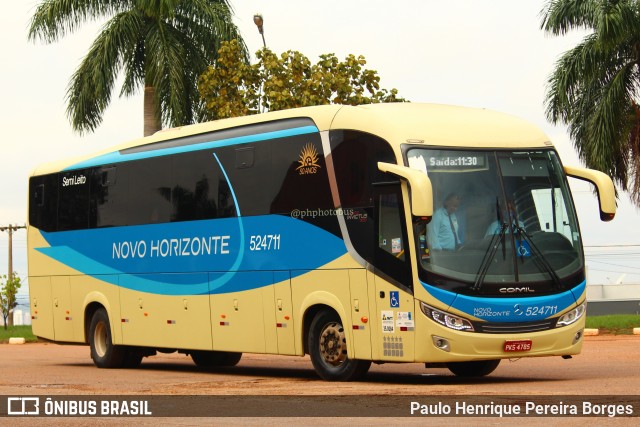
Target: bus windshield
503	222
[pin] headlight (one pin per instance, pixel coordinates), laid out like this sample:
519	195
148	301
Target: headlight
572	316
446	319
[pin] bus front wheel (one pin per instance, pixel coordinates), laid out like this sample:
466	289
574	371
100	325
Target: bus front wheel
103	352
328	350
478	368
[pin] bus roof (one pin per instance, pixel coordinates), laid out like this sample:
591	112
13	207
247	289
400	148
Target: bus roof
398	123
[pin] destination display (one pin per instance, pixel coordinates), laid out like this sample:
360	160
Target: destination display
456	160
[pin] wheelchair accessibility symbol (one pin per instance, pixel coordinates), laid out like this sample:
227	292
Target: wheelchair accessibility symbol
523	249
394	299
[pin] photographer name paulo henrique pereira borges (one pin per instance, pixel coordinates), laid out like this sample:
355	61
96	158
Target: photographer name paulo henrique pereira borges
528	408
396	406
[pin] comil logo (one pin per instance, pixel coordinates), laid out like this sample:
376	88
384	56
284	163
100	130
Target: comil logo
522	290
308	160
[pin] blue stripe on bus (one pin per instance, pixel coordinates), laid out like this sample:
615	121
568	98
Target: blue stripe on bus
230	275
524	309
117	157
226	177
171	258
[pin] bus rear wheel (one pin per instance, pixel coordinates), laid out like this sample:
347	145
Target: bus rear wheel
103	352
212	359
328	350
478	368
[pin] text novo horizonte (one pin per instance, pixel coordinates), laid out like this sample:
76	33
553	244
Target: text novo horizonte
172	247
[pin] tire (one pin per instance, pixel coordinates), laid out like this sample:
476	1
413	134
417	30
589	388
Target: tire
212	359
132	358
103	352
328	350
478	368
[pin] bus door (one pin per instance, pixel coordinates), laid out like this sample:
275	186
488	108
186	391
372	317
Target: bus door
393	285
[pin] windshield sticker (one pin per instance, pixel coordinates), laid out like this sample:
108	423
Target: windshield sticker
523	248
396	245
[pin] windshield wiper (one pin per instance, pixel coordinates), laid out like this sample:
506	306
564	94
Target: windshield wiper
540	258
489	255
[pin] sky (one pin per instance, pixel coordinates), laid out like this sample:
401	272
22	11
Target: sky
465	52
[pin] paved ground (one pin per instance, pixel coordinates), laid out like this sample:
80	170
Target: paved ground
609	365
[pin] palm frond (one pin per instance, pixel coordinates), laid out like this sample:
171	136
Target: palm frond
54	19
562	16
163	43
89	92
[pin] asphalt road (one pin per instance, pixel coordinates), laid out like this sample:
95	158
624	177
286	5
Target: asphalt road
608	366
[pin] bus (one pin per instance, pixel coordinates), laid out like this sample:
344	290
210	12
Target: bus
310	232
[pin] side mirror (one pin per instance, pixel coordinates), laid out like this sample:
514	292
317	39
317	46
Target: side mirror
420	185
604	186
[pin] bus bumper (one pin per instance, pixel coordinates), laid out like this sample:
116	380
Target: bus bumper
442	344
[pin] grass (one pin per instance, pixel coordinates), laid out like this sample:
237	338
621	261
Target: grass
17	332
615	324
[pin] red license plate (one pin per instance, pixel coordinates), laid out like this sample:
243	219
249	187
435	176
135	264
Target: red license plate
517	345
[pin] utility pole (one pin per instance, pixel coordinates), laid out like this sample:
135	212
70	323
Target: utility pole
10	229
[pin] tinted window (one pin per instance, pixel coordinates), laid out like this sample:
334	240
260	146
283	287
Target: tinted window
300	175
196	187
391	236
355	158
109	195
248	168
73	200
43	202
279	175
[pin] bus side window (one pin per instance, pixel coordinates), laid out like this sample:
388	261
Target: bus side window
74	199
389	226
391	255
108	176
245	157
43	202
38	195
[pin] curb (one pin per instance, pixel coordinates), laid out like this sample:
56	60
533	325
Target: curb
16	340
591	332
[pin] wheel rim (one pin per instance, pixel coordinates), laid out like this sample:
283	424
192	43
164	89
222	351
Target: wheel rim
333	347
100	339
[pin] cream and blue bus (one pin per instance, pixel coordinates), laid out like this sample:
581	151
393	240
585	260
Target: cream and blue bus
309	231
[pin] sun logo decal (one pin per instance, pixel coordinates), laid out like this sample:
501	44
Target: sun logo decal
308	160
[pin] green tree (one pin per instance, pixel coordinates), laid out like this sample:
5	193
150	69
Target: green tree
160	45
594	86
8	291
232	87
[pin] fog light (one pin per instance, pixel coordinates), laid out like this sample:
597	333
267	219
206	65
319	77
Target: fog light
577	337
441	343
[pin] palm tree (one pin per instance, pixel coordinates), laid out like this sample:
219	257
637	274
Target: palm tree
161	45
594	87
